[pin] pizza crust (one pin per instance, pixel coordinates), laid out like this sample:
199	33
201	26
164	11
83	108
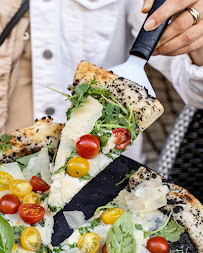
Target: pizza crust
31	139
145	107
185	208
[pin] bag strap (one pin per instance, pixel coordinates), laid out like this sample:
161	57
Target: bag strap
15	19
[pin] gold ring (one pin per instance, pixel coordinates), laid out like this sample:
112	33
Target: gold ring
194	13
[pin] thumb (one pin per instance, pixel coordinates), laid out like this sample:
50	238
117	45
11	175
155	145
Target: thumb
147	5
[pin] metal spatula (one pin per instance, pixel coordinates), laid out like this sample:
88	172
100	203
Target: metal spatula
133	68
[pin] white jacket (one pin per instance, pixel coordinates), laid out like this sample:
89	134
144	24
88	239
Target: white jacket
101	32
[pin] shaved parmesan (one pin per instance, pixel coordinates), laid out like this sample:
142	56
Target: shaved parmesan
74	218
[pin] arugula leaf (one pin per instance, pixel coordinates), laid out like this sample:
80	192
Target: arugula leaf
95	222
138	227
73	245
53	209
172	231
17	230
42	223
44	249
86	177
63	168
44	196
107	206
23	161
6	236
5	138
59	249
120	238
114	153
127	176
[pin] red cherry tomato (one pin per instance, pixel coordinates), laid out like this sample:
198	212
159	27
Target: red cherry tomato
123	138
39	184
88	146
104	250
31	213
9	204
158	244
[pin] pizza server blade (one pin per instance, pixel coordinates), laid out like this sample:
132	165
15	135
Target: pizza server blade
142	49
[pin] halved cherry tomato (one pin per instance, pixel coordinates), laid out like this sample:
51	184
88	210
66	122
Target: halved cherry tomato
123	138
20	187
14	247
109	216
5	179
88	146
32	198
158	244
31	213
89	243
30	239
104	250
78	167
39	184
9	204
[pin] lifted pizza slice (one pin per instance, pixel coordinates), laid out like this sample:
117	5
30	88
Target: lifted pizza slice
107	113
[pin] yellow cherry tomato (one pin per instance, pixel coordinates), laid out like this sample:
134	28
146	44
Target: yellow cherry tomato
30	239
89	243
20	187
78	167
109	216
32	198
5	179
14	247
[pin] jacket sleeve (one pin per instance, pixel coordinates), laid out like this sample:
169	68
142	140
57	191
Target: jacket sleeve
186	77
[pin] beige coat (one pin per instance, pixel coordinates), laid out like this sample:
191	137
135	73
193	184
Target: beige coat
15	72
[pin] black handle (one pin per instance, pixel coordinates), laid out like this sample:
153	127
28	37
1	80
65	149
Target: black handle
147	41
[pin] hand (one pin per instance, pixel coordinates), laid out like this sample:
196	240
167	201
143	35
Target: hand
181	35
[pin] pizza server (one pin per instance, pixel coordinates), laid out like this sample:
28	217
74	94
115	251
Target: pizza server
142	49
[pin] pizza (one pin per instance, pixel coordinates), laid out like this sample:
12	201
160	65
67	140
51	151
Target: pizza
106	115
149	215
44	166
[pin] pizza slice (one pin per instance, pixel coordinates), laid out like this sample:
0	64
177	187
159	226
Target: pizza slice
24	187
149	215
107	113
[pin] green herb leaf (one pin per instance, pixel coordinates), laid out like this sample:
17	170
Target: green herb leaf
95	222
63	168
73	245
17	230
42	223
107	206
23	161
120	238
138	227
127	176
172	231
44	249
44	196
86	177
5	138
6	236
52	209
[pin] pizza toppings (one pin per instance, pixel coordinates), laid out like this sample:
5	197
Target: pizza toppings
9	204
31	213
157	244
104	250
32	198
20	187
39	184
5	179
30	239
109	216
88	146
89	243
122	137
78	167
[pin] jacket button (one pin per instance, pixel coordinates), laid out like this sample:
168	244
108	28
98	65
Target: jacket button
47	54
50	111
